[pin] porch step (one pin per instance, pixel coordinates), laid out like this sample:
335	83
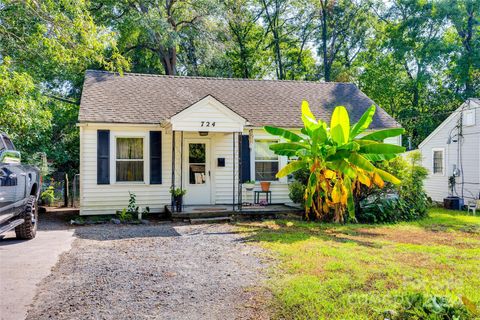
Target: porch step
210	220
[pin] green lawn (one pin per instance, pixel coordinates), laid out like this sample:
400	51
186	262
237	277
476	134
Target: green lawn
326	271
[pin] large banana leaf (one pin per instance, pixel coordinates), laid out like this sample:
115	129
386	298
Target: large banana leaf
364	122
340	125
291	168
287	134
361	162
381	148
383	134
387	176
286	146
309	120
379	157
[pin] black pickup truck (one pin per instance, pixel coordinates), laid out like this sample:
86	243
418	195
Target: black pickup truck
19	191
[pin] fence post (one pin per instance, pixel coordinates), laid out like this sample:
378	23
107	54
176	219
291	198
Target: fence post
66	190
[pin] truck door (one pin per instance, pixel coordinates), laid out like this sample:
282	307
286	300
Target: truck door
8	186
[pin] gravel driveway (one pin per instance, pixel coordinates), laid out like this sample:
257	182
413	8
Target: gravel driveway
160	271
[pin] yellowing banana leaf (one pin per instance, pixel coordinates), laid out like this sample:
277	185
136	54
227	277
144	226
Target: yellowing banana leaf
378	180
361	162
387	176
340	125
290	168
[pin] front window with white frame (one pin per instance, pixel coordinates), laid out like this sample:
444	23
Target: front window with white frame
266	161
129	160
438	161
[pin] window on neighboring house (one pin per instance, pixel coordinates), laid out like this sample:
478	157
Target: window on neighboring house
438	161
266	162
469	118
129	161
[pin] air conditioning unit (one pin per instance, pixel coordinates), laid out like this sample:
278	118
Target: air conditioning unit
453	203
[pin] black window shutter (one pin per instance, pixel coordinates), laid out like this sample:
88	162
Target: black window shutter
103	157
155	157
245	159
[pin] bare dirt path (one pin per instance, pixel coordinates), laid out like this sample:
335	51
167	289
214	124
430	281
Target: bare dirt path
160	271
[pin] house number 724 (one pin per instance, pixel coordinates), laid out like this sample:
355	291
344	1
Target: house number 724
207	124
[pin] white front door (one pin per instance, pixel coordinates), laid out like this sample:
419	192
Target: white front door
197	175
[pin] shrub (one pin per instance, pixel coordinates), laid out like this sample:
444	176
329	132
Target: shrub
420	306
297	191
48	196
124	215
403	202
131	212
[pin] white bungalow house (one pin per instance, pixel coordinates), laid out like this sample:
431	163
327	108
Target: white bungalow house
452	151
148	133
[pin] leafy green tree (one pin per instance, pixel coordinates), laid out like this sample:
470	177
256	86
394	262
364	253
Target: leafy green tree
151	31
463	38
45	47
246	54
342	30
339	161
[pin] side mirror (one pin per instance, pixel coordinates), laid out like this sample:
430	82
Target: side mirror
10	157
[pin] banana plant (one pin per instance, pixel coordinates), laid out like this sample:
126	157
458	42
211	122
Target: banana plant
339	159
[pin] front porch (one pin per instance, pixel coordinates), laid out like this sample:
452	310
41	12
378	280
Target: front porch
191	212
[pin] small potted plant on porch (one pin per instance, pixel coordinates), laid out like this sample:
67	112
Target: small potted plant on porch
265	185
249	185
178	194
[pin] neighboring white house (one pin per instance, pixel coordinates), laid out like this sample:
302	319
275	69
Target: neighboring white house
453	149
147	133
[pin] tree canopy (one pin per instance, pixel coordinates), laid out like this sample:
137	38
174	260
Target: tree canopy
417	59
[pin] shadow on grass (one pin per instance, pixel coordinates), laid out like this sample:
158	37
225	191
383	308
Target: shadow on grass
289	232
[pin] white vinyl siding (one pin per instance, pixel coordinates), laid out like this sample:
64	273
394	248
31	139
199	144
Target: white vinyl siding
107	199
436	185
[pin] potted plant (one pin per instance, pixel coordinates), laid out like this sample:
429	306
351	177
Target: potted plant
249	185
265	185
178	194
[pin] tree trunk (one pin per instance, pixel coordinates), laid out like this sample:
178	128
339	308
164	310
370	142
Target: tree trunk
326	64
278	56
244	60
467	44
169	60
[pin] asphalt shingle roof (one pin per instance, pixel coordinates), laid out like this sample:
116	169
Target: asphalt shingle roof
140	98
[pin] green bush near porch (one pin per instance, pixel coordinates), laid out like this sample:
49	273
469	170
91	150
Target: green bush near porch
328	271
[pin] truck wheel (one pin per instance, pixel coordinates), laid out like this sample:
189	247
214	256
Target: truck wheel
28	229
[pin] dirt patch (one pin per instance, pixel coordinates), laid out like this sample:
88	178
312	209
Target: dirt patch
155	272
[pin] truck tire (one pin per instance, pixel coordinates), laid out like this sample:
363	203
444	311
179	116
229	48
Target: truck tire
28	229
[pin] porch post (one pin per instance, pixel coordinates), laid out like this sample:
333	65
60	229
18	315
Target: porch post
233	157
240	171
173	170
181	160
